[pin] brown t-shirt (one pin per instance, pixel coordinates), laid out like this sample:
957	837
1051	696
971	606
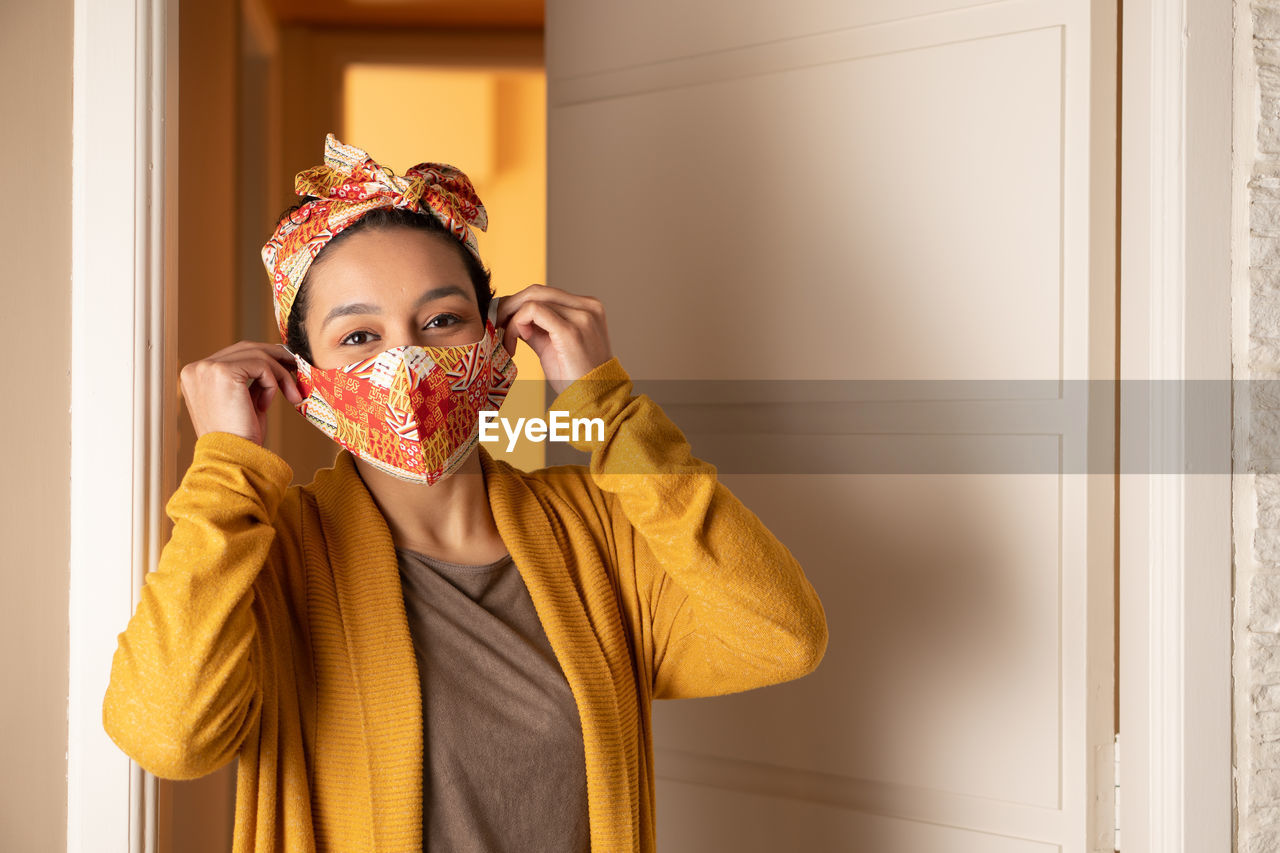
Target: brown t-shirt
503	766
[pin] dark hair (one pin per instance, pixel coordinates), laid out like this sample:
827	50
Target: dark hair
381	218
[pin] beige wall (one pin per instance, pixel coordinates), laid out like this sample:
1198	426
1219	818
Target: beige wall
35	244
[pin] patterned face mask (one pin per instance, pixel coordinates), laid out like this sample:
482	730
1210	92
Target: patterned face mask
412	412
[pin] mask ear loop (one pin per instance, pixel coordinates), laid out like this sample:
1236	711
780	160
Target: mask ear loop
298	361
497	354
492	320
301	370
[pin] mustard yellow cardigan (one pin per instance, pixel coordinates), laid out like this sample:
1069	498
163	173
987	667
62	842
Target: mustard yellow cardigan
274	626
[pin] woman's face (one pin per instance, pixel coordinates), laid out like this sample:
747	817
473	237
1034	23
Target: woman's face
389	287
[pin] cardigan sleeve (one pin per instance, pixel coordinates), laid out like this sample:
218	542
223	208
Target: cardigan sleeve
729	608
185	685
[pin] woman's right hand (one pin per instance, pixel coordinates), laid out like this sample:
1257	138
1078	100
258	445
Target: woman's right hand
230	390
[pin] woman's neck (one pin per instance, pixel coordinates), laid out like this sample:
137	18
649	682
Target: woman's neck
450	520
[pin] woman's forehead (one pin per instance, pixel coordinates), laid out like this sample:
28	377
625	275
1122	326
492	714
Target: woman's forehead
389	267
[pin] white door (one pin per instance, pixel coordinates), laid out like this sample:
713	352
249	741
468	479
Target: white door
910	204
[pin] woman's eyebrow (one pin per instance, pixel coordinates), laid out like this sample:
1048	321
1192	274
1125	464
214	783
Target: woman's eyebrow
346	310
438	293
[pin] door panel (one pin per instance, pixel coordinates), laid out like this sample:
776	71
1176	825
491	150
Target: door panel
718	818
911	207
864	209
943	666
590	38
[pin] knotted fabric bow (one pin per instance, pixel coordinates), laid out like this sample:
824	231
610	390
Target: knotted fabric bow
346	187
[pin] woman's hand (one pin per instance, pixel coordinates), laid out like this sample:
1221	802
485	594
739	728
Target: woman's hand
567	331
230	390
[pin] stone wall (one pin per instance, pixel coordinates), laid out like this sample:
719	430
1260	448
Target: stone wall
1257	519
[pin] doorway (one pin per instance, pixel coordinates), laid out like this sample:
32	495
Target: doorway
260	87
1176	672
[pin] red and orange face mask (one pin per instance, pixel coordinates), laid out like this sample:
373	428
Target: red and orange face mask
412	412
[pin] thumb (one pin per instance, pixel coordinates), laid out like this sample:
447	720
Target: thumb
509	341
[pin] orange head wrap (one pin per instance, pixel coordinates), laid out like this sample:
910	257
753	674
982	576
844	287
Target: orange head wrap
349	185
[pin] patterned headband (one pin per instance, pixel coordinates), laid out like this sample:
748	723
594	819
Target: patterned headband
346	187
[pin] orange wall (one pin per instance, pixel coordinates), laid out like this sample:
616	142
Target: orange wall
491	124
35	242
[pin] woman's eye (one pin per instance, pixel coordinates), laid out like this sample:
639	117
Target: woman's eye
441	321
357	339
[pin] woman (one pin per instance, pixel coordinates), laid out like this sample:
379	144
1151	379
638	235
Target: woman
426	647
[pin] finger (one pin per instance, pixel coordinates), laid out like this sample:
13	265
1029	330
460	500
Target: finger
266	372
550	295
508	305
284	375
282	354
537	339
569	341
558	319
239	348
288	385
539	326
262	398
278	353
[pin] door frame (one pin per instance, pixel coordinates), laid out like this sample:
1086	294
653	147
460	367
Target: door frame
123	411
1175	260
1175	768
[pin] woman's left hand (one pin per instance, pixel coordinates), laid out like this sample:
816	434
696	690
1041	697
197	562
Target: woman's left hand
567	331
